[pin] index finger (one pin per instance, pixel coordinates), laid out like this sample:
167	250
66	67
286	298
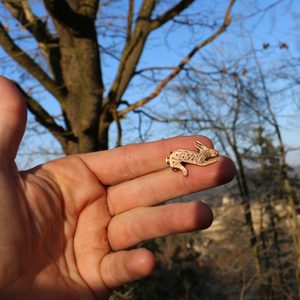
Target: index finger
131	161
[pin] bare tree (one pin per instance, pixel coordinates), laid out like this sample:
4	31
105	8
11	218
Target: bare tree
69	61
236	107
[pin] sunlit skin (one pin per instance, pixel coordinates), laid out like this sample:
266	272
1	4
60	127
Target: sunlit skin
66	225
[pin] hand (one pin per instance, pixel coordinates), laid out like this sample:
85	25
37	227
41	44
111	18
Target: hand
66	226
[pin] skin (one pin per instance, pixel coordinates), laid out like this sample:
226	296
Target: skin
66	227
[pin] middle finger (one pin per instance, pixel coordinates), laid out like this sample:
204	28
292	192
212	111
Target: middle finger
158	187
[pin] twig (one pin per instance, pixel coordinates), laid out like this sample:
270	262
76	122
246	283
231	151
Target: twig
183	63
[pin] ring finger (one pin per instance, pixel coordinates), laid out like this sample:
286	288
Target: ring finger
144	223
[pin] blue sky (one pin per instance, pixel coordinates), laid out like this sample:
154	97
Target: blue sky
168	46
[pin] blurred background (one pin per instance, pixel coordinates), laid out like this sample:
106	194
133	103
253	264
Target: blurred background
98	75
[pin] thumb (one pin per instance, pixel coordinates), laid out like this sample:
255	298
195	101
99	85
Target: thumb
13	114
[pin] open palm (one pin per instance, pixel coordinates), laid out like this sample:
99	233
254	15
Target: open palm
66	227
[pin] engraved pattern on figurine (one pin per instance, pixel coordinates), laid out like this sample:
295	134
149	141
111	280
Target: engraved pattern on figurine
205	156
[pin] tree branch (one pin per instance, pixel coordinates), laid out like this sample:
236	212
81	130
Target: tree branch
29	64
131	53
129	20
80	22
179	68
45	119
151	69
88	7
171	13
21	11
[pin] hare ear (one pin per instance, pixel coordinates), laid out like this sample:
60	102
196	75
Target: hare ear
199	145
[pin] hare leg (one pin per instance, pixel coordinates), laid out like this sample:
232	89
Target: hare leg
180	167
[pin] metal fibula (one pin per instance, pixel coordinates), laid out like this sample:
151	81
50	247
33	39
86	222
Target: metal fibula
205	156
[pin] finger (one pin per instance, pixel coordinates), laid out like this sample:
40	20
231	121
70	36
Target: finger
143	223
163	185
126	266
131	161
12	118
